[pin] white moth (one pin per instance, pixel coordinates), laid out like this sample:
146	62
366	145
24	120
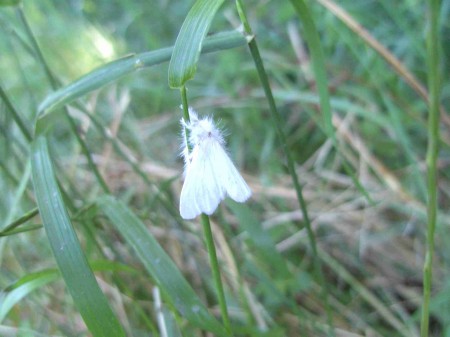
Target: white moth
210	175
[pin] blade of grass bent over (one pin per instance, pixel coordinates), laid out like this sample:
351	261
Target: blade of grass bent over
188	45
66	248
114	70
33	281
159	265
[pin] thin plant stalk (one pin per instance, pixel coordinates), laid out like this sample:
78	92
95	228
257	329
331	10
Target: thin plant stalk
19	121
184	103
209	240
215	270
254	50
23	219
432	156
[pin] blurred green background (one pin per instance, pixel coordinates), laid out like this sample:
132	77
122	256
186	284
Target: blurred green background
373	249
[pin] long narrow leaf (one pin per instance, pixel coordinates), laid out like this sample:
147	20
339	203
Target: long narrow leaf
188	46
160	266
318	61
312	37
66	248
16	116
32	282
116	69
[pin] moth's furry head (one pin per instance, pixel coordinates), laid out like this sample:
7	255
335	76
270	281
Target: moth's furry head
201	129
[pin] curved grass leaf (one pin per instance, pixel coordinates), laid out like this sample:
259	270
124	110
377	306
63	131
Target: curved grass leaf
116	69
34	281
188	45
72	263
160	266
23	287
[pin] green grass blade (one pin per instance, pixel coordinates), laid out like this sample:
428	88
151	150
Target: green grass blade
318	62
395	115
9	3
24	287
188	45
276	116
17	118
114	70
434	86
215	270
373	43
21	229
78	276
91	81
160	266
319	67
18	195
31	282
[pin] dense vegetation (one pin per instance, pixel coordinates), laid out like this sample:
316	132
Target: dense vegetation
92	242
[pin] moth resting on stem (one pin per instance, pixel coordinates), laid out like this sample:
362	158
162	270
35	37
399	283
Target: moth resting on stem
209	173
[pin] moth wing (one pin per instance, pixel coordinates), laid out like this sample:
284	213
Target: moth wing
229	177
202	191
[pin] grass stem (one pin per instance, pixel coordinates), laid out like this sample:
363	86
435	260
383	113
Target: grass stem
254	50
432	156
23	219
210	246
215	270
20	123
186	117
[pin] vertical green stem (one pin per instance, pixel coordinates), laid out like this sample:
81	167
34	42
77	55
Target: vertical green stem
215	270
185	115
16	116
290	163
432	155
184	102
210	246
